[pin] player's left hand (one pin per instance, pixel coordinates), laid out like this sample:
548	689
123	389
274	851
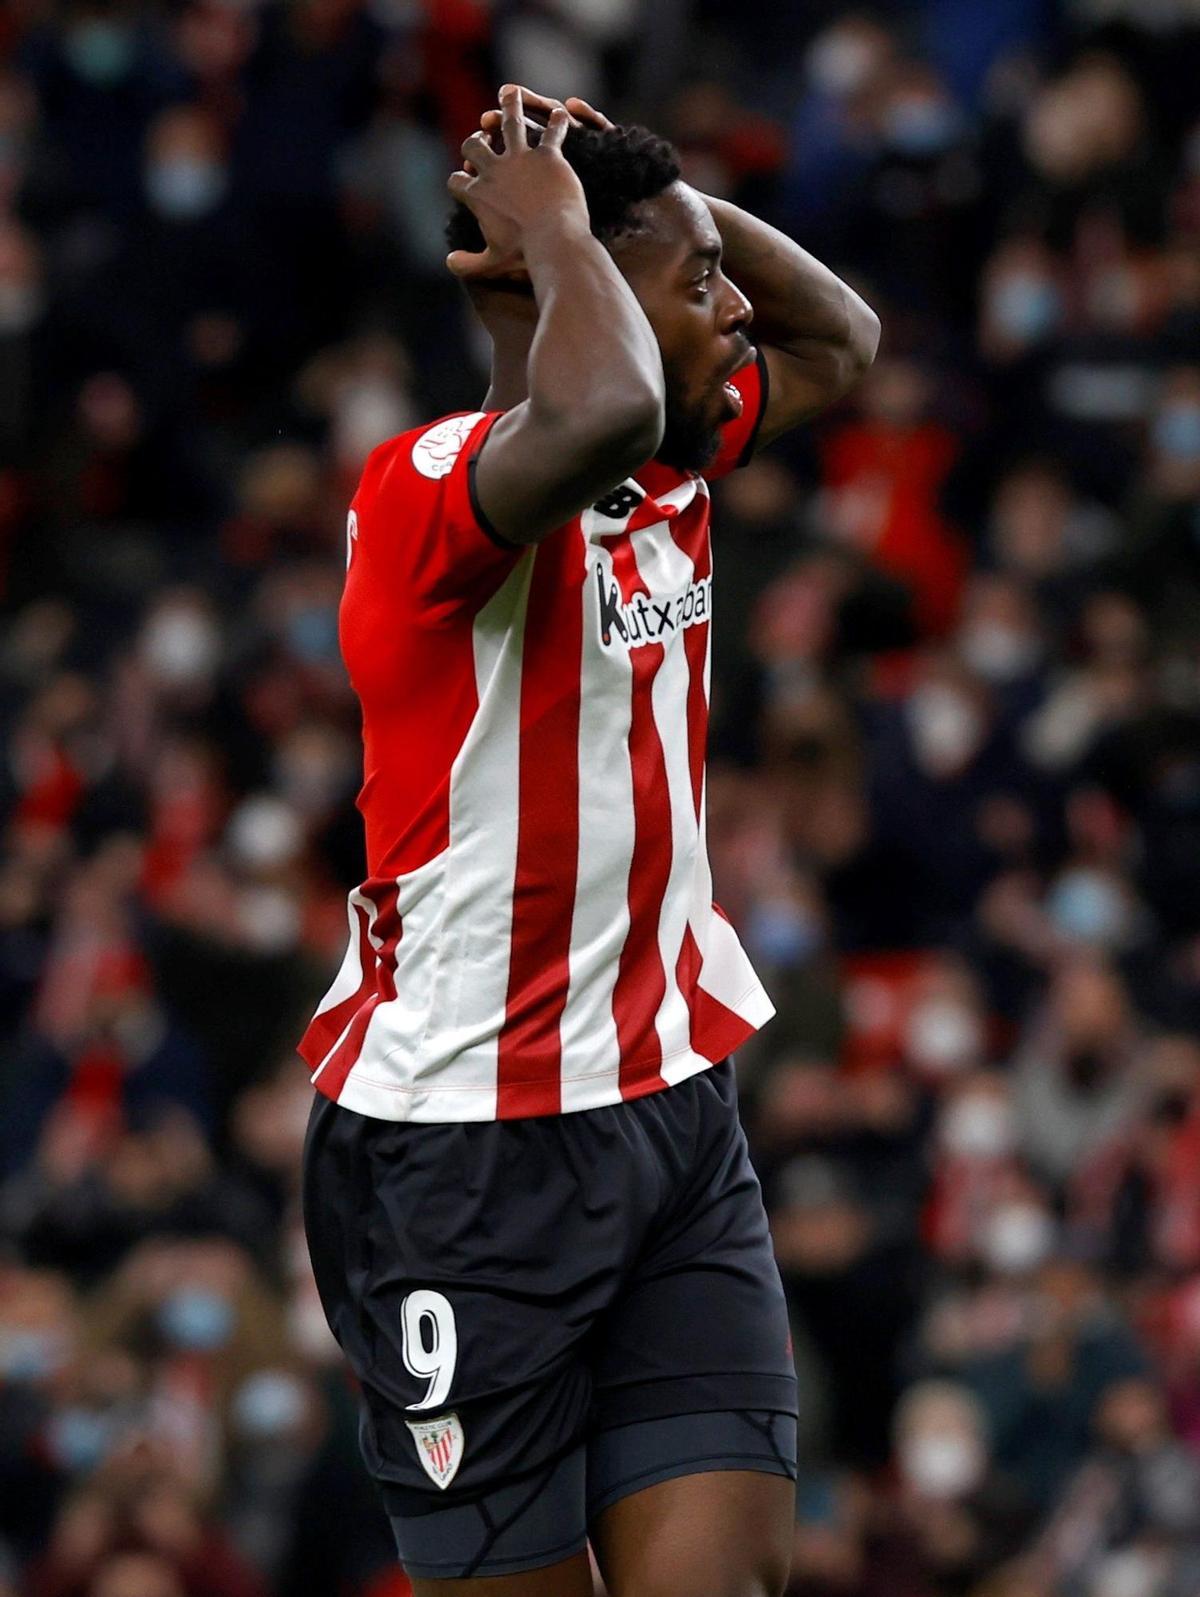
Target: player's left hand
582	114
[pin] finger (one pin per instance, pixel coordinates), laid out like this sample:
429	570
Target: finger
512	123
540	104
490	123
465	263
585	113
556	128
460	185
478	151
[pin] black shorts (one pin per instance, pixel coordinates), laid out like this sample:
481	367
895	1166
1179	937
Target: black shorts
547	1314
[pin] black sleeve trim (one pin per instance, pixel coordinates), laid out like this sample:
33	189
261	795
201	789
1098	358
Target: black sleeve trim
764	378
480	516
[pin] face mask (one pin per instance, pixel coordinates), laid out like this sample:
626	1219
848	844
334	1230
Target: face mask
946	729
182	187
1016	1238
918	126
1176	431
978	1126
369	411
21	306
99	52
1025	306
1131	1572
942	1035
782	933
310	779
839	63
1086	906
309	1331
78	1438
998	653
312	634
180	647
264	833
269	1404
31	1355
196	1320
941	1464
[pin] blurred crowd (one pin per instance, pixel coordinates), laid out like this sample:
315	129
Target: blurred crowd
954	792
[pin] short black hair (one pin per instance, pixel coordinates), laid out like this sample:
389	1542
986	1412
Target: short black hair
619	167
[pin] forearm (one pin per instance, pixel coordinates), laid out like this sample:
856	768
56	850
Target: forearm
800	306
591	326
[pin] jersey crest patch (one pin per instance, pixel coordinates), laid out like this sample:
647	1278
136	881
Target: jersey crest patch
436	450
440	1446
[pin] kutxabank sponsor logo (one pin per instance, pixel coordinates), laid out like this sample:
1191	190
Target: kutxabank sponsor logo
647	618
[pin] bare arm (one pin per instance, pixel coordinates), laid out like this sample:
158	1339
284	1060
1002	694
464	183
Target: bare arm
817	335
595	407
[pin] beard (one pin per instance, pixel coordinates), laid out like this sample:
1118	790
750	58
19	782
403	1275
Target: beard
691	438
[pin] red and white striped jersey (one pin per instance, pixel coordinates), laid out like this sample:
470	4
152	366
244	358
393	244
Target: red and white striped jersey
537	933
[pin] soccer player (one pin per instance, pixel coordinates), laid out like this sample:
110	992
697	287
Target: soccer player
532	1217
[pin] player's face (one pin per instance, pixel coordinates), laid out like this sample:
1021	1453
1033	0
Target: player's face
699	318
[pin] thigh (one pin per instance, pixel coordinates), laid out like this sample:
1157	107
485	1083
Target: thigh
701	1322
726	1534
460	1272
570	1579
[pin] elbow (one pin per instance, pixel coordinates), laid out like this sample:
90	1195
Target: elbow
623	433
862	340
637	432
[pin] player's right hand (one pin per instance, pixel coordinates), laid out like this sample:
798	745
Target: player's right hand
515	192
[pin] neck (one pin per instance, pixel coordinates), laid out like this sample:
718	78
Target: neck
511	321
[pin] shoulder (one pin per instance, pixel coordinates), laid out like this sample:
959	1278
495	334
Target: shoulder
423	455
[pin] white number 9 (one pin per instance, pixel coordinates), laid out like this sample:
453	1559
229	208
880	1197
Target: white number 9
436	1361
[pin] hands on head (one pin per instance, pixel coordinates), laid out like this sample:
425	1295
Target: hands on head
511	185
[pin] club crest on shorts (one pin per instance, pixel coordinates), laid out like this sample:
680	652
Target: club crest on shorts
439	1447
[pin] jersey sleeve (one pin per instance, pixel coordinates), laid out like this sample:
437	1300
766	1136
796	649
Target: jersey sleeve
416	521
739	437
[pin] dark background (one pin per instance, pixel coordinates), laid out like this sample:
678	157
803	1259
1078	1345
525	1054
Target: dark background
955	784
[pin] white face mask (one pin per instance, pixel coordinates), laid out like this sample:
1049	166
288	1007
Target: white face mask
942	1464
997	652
308	1330
1016	1238
839	62
21	305
180	646
978	1126
942	1035
946	729
264	833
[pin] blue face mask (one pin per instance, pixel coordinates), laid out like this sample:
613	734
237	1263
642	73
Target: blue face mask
1087	907
78	1438
1177	431
783	934
1026	307
31	1355
312	634
196	1320
99	52
921	127
269	1404
183	188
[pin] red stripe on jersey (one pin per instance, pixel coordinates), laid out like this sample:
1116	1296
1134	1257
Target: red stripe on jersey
325	1029
690	533
716	1031
641	982
529	1048
382	966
